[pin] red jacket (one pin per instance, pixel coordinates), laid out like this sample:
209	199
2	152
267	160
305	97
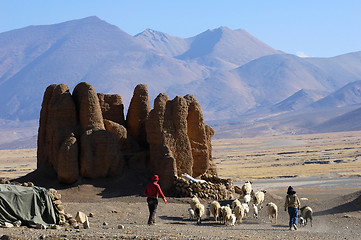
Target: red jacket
153	190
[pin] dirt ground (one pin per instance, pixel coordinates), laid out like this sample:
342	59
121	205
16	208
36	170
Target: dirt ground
333	192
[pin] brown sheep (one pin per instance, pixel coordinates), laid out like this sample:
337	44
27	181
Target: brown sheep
215	209
272	211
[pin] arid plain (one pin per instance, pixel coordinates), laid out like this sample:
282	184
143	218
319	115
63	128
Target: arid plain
325	169
289	156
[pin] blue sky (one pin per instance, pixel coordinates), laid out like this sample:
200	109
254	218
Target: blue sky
309	27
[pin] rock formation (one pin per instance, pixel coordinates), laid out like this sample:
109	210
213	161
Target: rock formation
58	126
84	134
68	166
88	106
100	154
122	135
112	107
139	109
179	140
60	133
199	137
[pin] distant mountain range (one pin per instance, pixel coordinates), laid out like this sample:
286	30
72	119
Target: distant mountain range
239	81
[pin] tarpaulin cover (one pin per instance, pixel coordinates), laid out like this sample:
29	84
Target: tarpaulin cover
30	205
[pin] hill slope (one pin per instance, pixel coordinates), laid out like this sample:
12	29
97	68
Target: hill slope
88	50
350	121
235	77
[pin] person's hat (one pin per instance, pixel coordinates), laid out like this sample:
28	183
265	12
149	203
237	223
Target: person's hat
155	178
290	190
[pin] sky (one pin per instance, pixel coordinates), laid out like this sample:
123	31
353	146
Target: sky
307	28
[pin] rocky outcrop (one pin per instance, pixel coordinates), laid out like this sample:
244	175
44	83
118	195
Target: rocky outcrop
120	131
161	160
178	138
84	134
198	137
138	112
61	135
100	155
88	106
112	107
212	170
58	125
68	166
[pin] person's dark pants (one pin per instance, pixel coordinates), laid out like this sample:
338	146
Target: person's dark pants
152	205
293	212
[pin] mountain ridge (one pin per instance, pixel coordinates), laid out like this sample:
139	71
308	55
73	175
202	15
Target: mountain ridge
347	95
235	76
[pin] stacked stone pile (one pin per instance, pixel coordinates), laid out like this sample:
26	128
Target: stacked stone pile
215	179
56	197
25	184
213	188
66	219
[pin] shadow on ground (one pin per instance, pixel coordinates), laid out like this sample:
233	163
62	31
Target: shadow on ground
352	204
131	183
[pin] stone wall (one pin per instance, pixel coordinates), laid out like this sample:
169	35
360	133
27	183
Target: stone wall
214	188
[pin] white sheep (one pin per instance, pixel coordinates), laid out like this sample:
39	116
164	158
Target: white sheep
191	214
239	212
235	203
272	211
194	201
258	197
247	188
306	213
255	211
232	220
198	212
226	214
245	208
247	198
215	209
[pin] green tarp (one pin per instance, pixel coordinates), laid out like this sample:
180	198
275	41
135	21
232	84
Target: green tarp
30	205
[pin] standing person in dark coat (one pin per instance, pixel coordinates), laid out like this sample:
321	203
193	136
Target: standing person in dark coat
153	190
292	204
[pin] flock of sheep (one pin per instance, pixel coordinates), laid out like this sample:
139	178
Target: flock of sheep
232	214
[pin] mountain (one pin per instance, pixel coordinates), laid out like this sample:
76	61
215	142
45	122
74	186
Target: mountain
287	74
345	68
216	48
345	96
259	85
299	100
112	61
238	80
168	45
235	47
350	121
88	50
266	123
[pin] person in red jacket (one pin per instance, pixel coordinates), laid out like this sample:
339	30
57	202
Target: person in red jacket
153	190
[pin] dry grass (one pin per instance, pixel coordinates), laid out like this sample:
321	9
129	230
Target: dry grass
16	163
301	155
252	158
